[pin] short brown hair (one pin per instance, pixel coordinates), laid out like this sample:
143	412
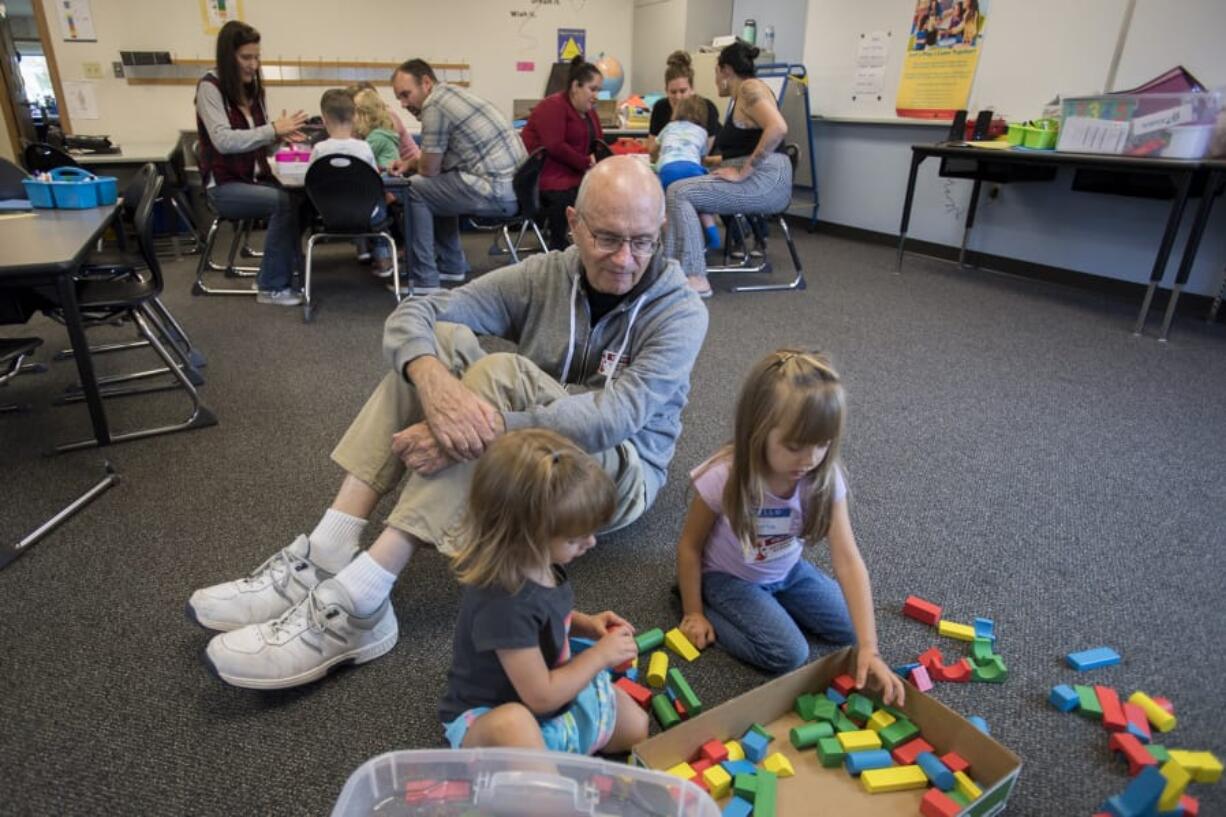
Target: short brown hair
419	68
679	65
692	108
337	105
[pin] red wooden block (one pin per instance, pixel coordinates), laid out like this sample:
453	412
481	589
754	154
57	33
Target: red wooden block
937	803
906	754
931	659
1189	804
955	762
959	673
638	692
604	785
1135	715
700	766
1134	752
450	791
922	611
1113	713
714	751
680	707
845	684
415	790
1165	703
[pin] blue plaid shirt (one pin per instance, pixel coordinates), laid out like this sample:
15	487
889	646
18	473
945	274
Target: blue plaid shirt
474	138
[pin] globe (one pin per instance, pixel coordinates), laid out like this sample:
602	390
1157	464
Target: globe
614	77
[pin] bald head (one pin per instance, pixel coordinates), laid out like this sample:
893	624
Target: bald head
624	179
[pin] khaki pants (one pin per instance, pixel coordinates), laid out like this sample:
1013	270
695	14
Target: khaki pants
430	507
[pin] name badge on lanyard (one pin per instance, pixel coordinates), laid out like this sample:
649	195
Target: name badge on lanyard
774	535
611	364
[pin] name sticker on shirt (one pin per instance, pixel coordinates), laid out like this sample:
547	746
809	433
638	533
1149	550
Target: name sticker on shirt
612	364
775	535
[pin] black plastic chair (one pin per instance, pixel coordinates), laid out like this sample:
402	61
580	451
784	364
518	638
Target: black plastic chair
526	184
11	178
13	353
241	234
43	158
345	192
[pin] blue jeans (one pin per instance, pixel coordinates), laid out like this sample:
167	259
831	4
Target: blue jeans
761	624
282	245
431	226
379	249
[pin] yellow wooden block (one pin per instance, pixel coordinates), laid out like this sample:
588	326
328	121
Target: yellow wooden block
1203	766
966	787
683	770
779	764
1162	720
676	641
880	720
735	752
952	629
1177	780
718	781
894	778
657	669
859	740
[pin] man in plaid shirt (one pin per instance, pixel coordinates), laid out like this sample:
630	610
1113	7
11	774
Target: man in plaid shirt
469	155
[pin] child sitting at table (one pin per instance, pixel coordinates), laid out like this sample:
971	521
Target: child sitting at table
681	147
372	121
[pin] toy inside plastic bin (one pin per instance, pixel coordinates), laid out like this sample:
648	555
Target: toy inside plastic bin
514	783
1173	126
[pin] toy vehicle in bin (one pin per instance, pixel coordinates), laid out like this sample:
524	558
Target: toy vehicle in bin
71	188
514	783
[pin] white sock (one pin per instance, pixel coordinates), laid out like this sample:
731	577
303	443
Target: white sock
335	540
367	584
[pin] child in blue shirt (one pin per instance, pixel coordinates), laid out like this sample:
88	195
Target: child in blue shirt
682	145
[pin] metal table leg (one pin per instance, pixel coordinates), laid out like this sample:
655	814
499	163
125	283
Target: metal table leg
970	221
1182	184
1190	249
85	364
916	160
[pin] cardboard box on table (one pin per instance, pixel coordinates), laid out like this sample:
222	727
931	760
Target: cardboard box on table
816	791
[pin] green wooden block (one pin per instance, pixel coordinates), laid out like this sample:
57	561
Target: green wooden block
761	730
681	688
958	797
1158	752
859	708
981	651
649	640
766	797
843	724
824	709
898	714
898	733
745	786
830	752
665	713
803	737
992	671
804	706
1090	707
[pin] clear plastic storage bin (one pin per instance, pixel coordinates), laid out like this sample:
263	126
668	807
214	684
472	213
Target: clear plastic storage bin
514	783
1171	126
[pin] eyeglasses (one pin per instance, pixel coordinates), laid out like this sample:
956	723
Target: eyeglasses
608	243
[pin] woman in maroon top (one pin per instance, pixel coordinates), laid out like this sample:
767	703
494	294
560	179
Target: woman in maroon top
566	125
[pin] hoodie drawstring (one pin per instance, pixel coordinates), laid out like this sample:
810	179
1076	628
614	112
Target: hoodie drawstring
570	348
634	313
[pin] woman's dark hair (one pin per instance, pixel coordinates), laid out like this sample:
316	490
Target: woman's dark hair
233	36
739	57
581	71
679	66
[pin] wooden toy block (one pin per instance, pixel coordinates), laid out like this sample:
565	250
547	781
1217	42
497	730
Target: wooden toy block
714	751
1158	752
965	786
735	767
908	753
958	797
632	674
1190	806
735	752
579	645
745	786
860	740
665	714
992	671
858	709
1165	703
754	746
898	733
904	670
641	695
1140	797
952	629
1161	720
1138	724
894	711
880	720
844	724
649	639
676	641
804	737
671	693
761	730
626	666
936	771
700	766
1093	658
683	770
845	684
954	762
767	796
682	712
1177	780
1063	697
824	709
899	778
830	752
958	673
835	697
677	683
938	804
1203	766
718	781
737	807
1113	713
922	611
859	762
805	706
779	765
979	723
1133	752
985	628
657	669
416	791
920	678
1089	706
932	658
981	650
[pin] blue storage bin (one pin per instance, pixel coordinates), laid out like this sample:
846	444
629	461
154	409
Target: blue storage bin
108	189
73	188
39	193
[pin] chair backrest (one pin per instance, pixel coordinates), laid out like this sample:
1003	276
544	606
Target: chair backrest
41	158
135	189
345	190
527	184
11	177
142	218
601	150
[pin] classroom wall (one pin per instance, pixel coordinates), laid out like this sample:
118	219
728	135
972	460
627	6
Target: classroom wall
788	18
664	26
480	32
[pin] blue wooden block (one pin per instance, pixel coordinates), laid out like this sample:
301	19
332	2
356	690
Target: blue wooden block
633	674
938	773
1063	697
1175	812
1093	659
672	696
1138	733
578	645
754	746
737	808
904	670
857	762
1140	799
985	628
979	723
834	695
735	767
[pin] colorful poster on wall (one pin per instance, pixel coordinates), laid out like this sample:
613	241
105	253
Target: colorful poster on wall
76	20
942	54
572	42
216	13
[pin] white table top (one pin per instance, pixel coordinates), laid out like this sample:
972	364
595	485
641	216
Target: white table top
131	153
49	241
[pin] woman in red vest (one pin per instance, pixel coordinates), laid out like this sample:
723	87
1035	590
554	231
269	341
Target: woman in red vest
235	139
566	125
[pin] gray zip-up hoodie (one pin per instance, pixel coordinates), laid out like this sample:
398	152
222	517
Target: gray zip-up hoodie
654	336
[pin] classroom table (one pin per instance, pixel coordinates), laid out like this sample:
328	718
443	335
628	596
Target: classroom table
48	247
1032	165
132	157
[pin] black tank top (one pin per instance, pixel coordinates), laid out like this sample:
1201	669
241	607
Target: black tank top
734	142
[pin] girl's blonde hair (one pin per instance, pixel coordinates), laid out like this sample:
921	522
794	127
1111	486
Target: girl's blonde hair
692	108
798	393
370	112
530	489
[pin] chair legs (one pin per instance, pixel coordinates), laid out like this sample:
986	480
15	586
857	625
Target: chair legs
308	306
764	265
502	238
207	264
15	367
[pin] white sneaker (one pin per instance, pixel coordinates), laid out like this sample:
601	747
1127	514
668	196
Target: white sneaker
453	277
271	589
279	297
301	646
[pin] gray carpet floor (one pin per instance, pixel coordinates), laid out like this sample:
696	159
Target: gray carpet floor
1013	451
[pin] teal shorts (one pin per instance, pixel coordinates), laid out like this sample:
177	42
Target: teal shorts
583	729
